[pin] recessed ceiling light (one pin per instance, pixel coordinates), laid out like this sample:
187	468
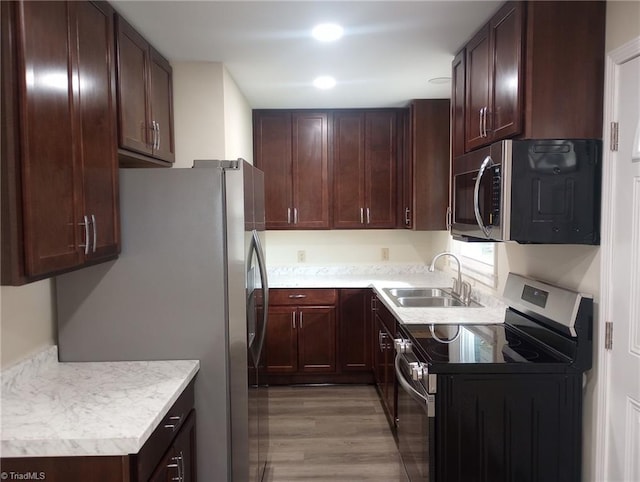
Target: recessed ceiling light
324	82
440	80
327	32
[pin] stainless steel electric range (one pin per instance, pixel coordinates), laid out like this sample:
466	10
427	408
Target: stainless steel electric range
500	402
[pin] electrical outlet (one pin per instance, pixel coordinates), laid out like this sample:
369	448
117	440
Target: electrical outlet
302	256
385	254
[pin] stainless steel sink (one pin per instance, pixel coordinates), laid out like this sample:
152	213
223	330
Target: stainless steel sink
433	302
427	298
417	292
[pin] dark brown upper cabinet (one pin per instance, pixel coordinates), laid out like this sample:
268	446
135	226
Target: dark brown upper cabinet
494	70
291	147
59	159
145	107
534	71
458	104
365	169
425	171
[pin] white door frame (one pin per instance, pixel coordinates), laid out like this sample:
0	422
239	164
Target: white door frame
614	59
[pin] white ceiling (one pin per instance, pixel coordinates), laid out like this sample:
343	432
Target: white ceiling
389	51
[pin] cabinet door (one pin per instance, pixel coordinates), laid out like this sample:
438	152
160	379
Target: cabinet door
161	107
379	350
477	95
505	115
429	160
348	170
281	344
133	105
97	117
184	449
167	469
381	169
310	171
49	163
458	83
317	338
390	374
272	146
355	330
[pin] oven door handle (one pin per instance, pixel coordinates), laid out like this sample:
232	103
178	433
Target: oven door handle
488	162
428	402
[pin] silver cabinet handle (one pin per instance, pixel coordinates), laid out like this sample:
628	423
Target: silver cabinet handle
480	122
177	464
288	215
407	221
361	215
87	241
484	122
295	215
155	135
182	464
95	232
301	320
176	419
293	320
297	296
448	218
368	216
158	136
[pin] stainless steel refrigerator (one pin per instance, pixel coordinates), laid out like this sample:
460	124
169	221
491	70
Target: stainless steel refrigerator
190	283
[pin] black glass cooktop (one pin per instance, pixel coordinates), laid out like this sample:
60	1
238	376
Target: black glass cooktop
484	344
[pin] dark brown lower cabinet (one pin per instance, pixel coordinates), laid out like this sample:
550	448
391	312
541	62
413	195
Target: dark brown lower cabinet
179	462
301	335
319	336
354	331
168	455
384	356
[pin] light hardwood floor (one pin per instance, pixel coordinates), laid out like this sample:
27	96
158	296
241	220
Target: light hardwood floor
330	433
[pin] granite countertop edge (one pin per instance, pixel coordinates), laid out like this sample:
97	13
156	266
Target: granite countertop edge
379	277
58	409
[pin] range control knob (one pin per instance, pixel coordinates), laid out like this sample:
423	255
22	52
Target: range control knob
402	345
419	371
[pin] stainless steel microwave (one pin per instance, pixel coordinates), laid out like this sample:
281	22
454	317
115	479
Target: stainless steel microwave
529	191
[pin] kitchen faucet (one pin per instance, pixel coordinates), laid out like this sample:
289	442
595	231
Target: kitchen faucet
461	289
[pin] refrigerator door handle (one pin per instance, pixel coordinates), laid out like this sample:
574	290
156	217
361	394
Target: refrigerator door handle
265	289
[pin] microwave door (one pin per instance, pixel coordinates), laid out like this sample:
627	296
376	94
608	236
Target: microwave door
473	198
483	196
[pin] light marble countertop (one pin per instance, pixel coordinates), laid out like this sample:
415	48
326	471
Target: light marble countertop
392	276
51	408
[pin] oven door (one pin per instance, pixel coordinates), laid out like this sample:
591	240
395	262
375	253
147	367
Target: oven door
416	420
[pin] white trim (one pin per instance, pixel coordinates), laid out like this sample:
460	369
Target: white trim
614	59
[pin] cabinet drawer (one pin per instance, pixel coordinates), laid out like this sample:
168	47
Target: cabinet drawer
298	297
160	440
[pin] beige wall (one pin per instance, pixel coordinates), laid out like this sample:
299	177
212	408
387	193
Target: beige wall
353	246
574	267
623	23
27	320
238	122
198	106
